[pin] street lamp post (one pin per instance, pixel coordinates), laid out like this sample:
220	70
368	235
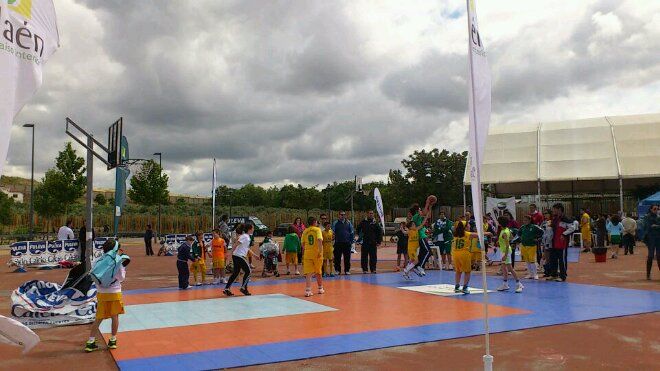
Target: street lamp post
31	231
160	164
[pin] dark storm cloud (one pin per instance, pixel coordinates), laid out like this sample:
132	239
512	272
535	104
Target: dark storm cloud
295	91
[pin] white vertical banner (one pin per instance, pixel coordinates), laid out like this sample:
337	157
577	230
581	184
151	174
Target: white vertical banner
213	187
379	207
479	84
28	37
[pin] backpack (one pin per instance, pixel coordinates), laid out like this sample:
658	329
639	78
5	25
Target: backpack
103	272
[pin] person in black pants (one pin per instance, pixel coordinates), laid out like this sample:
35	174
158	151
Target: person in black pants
240	254
82	240
148	237
344	237
184	254
372	237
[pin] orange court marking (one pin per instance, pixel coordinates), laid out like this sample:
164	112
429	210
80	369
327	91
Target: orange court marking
361	307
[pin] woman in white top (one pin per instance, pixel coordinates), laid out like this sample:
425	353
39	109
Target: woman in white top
239	257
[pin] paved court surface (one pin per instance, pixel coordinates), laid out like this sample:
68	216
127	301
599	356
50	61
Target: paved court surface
200	329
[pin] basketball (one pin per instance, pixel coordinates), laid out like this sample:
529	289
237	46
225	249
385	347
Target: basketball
431	200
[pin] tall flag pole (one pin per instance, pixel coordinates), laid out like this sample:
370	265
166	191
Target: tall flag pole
30	38
479	108
213	187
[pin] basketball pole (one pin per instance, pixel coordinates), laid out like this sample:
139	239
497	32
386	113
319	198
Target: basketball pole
89	235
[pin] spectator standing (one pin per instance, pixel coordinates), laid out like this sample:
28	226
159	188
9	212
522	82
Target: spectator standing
629	231
372	237
299	227
148	237
562	227
344	237
537	219
82	240
615	231
651	237
585	229
66	232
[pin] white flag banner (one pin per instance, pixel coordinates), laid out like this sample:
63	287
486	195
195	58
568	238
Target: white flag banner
479	84
379	207
28	37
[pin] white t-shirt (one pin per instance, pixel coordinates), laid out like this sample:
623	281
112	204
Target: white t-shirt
243	246
65	233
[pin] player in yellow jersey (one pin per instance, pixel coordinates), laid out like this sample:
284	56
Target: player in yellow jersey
413	245
312	240
462	257
328	250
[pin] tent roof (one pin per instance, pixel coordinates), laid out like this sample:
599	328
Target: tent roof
652	199
587	155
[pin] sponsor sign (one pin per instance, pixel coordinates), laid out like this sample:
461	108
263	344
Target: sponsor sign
30	253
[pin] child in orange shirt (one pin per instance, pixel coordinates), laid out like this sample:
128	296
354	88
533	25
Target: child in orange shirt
218	253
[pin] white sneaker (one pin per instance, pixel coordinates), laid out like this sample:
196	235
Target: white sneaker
519	287
297	273
503	287
416	271
198	284
348	273
308	293
409	267
528	277
225	280
451	267
422	271
321	290
536	276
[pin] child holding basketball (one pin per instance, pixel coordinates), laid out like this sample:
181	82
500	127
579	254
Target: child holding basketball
505	247
218	254
328	250
420	217
109	301
291	249
312	239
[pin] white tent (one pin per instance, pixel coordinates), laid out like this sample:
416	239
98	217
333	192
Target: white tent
604	154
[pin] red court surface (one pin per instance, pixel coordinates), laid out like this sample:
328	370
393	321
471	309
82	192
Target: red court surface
388	308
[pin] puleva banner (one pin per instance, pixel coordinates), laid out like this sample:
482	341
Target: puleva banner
173	241
28	37
28	253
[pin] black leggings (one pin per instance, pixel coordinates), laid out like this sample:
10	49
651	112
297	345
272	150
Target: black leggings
184	273
240	264
424	252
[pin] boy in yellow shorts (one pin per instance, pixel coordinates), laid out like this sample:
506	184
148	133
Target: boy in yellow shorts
328	250
198	267
530	233
109	302
312	239
413	247
218	254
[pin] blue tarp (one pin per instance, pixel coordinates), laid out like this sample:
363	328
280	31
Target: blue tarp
645	204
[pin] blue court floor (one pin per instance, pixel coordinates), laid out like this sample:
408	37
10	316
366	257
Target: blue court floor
541	304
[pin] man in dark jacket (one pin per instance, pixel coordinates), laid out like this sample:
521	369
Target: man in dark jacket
372	237
344	237
82	240
562	229
148	237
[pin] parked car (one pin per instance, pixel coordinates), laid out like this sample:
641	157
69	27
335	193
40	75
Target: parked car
282	229
260	229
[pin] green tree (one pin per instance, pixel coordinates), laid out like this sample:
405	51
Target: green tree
436	172
6	204
223	195
68	182
47	202
149	185
100	199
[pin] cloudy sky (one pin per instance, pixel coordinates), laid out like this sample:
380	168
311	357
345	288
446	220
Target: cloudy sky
315	91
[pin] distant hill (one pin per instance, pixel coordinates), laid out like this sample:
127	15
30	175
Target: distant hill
7	181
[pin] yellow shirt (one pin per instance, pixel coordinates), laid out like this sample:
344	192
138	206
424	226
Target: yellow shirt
585	223
413	239
327	239
461	243
310	239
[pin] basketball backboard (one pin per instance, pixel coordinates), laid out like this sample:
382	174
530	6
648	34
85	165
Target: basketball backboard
115	157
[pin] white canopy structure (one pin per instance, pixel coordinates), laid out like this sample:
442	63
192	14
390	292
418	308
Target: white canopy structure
604	154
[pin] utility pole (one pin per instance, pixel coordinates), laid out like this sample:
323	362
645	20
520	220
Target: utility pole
160	164
31	232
